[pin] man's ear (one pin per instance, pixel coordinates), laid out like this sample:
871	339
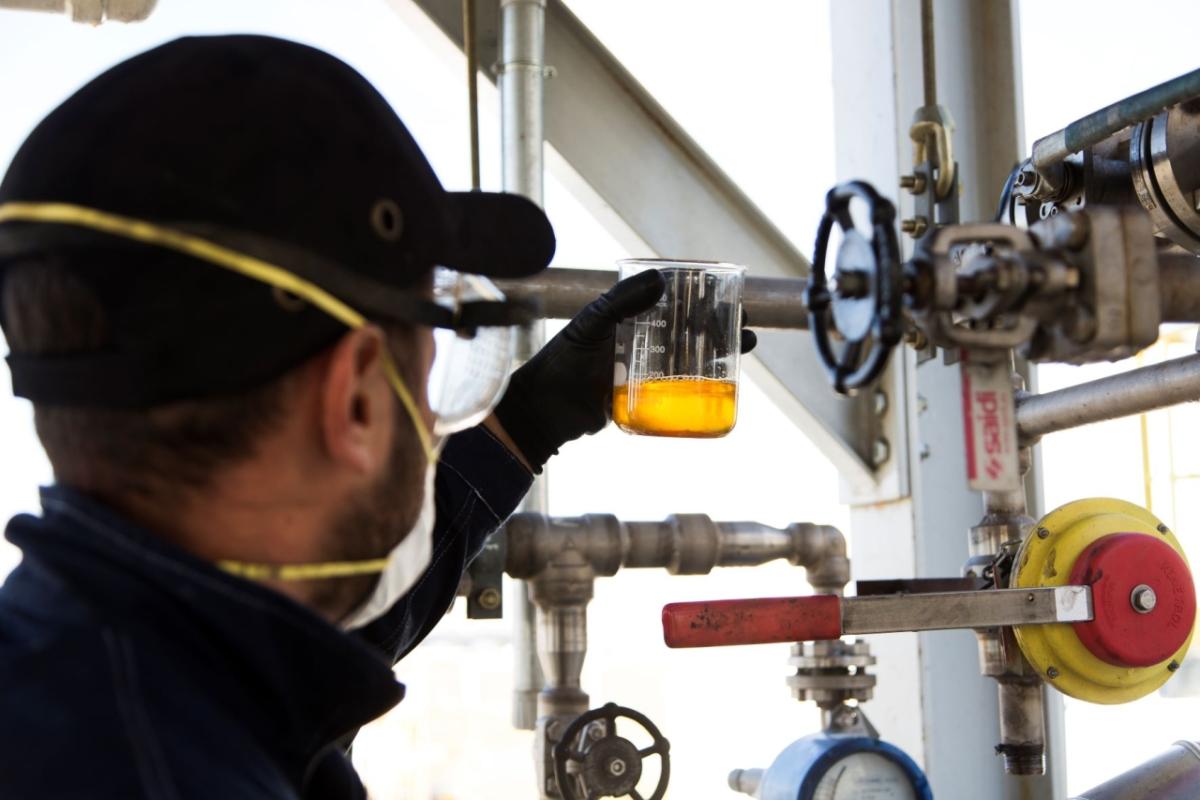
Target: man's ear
357	411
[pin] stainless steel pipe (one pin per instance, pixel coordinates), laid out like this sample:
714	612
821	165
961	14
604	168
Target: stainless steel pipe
683	544
521	77
1133	392
768	302
1174	775
779	302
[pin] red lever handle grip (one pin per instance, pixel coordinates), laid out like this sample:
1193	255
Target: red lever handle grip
717	623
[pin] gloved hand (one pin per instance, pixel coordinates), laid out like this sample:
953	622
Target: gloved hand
565	390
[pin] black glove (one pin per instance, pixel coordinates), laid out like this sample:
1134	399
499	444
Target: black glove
565	390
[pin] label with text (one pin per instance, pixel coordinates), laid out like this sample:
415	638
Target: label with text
990	426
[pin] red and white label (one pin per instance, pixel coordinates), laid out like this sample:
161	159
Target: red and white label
990	427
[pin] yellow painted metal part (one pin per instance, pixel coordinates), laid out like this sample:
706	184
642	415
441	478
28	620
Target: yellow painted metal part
1046	559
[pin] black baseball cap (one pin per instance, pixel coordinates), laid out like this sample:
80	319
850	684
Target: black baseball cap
266	147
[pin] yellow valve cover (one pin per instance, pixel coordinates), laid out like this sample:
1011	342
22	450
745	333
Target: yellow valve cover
1046	558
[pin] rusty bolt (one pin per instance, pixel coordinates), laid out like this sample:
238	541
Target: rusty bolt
1043	533
489	599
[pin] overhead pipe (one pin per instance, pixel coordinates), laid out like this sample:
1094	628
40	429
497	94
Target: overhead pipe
1050	150
768	302
779	302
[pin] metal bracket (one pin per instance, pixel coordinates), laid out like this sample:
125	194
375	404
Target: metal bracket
486	572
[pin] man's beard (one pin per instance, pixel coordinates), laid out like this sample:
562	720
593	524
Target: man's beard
371	525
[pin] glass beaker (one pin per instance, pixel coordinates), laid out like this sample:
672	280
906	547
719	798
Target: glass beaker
676	365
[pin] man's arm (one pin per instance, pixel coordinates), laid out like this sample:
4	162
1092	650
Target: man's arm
562	393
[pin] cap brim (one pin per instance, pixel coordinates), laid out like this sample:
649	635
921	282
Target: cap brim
498	235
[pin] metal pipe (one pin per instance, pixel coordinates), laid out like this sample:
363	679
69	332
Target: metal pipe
528	678
1019	695
684	544
92	12
1050	150
746	781
561	593
1022	724
520	75
768	302
928	53
779	302
1174	775
468	11
1133	392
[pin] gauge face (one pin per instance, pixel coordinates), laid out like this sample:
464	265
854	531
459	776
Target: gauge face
865	776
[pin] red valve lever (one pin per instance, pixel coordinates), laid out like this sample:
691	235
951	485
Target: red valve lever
758	621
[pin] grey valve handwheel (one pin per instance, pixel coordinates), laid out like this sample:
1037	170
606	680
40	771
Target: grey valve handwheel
865	299
608	766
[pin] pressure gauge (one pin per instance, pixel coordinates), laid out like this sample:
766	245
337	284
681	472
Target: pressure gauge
865	776
840	767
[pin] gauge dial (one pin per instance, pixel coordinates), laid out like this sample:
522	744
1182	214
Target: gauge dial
865	776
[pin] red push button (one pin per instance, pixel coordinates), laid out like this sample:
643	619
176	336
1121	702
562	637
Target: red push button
1143	599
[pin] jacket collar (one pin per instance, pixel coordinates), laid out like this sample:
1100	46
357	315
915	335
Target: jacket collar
297	682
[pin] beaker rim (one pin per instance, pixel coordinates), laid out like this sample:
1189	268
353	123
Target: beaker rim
685	263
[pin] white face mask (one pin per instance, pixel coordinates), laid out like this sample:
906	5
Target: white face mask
405	563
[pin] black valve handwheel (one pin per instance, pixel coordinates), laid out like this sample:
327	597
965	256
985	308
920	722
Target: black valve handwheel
865	299
587	767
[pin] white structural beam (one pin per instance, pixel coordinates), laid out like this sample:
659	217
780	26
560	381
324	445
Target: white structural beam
675	198
931	698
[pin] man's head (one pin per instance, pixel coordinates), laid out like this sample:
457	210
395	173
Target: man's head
325	445
192	251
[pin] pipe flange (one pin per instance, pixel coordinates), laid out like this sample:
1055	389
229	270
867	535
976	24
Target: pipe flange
832	672
1163	170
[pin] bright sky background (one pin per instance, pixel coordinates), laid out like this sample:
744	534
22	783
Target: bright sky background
752	83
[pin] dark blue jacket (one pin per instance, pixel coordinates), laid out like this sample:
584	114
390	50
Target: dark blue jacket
129	669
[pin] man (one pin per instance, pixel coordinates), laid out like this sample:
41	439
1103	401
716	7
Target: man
216	275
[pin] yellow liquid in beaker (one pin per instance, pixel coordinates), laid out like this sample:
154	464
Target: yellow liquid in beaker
678	406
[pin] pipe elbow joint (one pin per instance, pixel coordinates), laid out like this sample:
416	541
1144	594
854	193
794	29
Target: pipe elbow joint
821	550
